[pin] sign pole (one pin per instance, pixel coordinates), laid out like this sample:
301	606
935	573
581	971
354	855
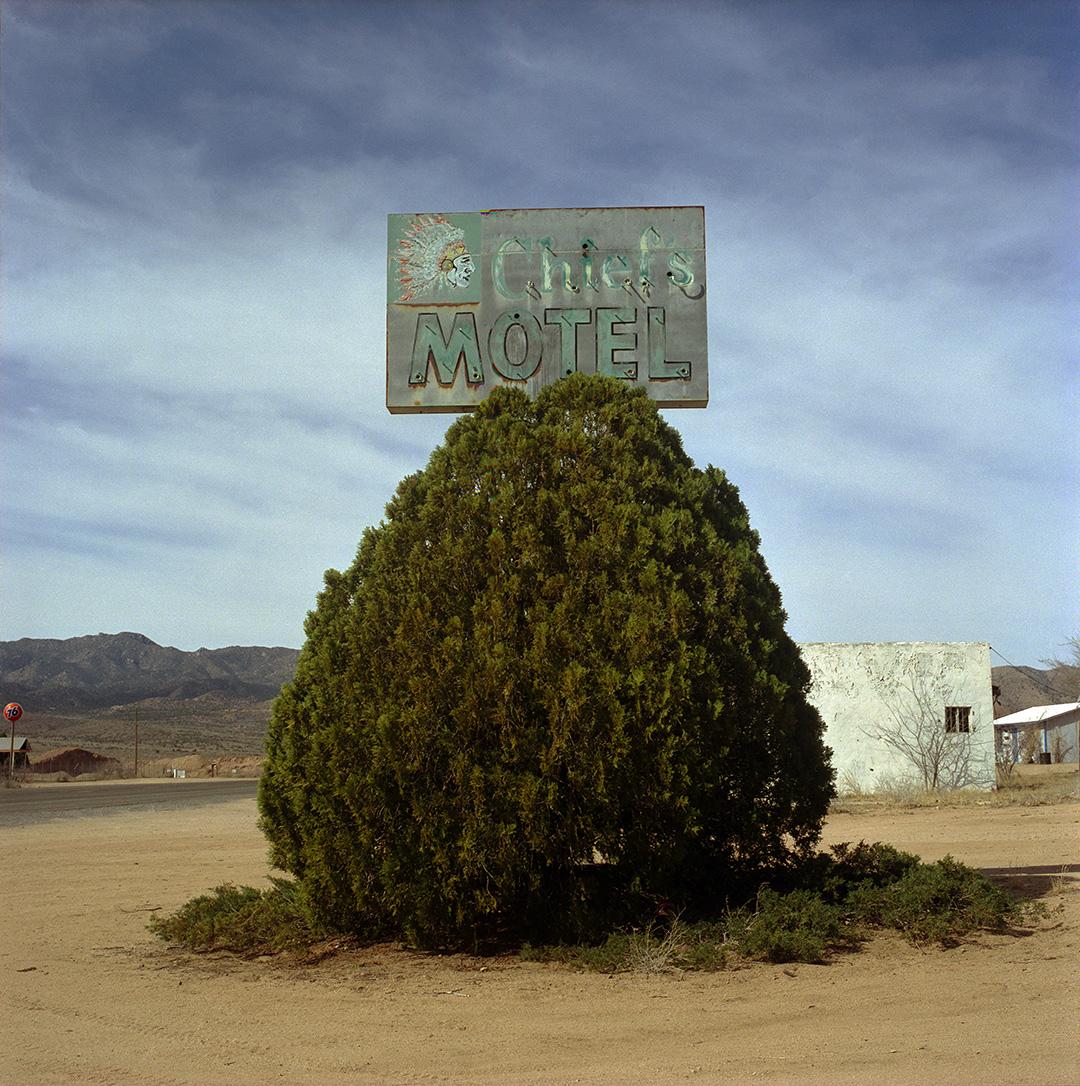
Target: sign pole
12	712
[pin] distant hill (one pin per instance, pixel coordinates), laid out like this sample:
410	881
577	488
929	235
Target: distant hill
90	692
1022	687
105	670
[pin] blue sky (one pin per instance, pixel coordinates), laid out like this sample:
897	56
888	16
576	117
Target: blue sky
194	225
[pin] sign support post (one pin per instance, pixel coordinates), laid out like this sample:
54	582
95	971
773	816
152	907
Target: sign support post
12	712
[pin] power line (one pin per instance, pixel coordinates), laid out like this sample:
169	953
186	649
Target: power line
1038	682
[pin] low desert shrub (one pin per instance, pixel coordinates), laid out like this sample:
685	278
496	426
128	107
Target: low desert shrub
795	927
846	867
243	919
934	903
832	901
700	946
620	952
829	902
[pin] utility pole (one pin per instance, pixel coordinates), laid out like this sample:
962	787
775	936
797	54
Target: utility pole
136	740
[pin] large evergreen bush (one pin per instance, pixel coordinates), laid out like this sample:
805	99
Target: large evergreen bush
555	677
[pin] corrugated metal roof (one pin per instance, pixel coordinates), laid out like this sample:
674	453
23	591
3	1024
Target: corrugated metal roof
1037	714
21	742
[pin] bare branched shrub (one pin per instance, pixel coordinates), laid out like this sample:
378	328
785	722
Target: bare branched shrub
849	784
1059	747
652	955
914	727
1066	671
1004	760
1030	744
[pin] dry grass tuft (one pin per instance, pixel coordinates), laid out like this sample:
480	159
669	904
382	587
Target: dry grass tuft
1063	882
652	955
1020	793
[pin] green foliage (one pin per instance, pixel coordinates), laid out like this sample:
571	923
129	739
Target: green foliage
698	946
553	687
795	927
934	902
877	886
836	874
842	896
243	919
831	901
618	953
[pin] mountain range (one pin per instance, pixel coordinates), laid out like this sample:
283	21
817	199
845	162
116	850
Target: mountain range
102	670
100	692
1021	687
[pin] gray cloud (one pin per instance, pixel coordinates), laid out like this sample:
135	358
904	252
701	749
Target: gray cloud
111	540
194	224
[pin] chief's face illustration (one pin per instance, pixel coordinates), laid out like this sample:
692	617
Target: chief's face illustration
461	271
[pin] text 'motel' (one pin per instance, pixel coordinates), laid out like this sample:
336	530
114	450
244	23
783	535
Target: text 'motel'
522	298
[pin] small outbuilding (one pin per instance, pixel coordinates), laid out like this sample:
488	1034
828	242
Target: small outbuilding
1043	733
22	751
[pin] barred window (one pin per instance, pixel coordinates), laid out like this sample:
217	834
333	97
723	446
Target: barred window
958	718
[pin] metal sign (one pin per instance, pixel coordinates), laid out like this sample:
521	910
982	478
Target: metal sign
523	298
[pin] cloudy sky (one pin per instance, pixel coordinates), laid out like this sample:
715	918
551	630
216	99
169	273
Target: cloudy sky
194	230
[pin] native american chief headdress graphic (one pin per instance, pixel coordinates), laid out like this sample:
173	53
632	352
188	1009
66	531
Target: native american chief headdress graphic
432	255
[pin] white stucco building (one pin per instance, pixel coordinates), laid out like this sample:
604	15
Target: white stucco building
918	712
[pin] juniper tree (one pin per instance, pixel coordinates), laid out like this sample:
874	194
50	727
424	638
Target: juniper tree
559	661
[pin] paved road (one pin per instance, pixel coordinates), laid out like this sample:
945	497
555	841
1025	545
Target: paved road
37	802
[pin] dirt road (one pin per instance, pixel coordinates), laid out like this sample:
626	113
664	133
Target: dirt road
89	996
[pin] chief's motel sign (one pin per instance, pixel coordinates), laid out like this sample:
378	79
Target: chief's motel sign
522	298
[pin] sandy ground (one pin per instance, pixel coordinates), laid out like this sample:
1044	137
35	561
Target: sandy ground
90	997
